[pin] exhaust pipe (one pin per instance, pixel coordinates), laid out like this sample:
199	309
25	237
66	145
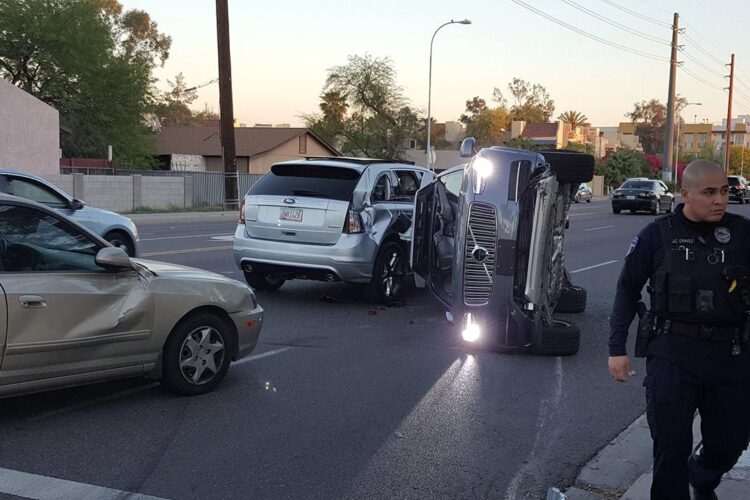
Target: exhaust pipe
330	277
247	267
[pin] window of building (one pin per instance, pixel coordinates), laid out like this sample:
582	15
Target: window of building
702	138
739	139
688	141
303	144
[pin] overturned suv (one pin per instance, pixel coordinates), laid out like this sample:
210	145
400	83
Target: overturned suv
488	243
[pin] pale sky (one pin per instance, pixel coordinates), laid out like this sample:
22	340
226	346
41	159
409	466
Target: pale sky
282	49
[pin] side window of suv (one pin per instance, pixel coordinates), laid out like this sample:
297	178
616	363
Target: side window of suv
382	190
408	185
34	191
453	182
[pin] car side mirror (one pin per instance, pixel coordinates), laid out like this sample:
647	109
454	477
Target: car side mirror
468	148
76	204
113	258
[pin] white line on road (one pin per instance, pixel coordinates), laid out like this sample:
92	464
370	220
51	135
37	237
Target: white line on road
587	213
183	237
185	250
598	228
262	355
223	237
593	267
39	487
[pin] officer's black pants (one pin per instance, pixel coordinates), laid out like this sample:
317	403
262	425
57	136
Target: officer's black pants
685	375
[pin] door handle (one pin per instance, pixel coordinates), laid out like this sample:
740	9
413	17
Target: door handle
32	301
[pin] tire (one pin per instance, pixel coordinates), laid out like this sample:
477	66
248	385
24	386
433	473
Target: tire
616	210
120	239
588	201
262	281
572	300
570	167
199	346
388	274
561	339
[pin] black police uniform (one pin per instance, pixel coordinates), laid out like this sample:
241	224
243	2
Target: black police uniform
697	359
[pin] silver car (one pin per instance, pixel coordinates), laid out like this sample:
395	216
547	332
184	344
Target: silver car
117	229
74	310
329	219
488	243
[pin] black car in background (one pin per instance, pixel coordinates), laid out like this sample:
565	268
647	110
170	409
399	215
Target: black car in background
643	195
739	191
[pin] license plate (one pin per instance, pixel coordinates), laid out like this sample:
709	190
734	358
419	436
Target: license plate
291	214
630	198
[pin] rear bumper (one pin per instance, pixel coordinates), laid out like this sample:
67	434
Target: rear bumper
351	259
644	204
248	325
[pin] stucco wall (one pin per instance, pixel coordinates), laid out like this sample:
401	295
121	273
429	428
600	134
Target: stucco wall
285	152
162	192
29	132
188	163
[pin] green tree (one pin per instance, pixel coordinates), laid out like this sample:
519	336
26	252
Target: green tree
623	164
739	160
522	143
650	118
489	126
573	118
581	148
91	61
372	117
173	106
474	107
532	102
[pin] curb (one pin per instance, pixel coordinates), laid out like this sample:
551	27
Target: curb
181	216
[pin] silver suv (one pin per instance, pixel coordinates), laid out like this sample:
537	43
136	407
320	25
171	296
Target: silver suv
488	243
329	219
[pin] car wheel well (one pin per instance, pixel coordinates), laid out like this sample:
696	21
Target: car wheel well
125	236
216	311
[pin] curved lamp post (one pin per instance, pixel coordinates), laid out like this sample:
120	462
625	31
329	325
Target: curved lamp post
677	148
429	93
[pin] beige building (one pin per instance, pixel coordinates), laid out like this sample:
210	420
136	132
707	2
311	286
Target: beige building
695	136
626	136
29	132
553	135
198	149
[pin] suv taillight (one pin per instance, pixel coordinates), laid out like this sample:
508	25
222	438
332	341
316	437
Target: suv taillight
242	212
353	224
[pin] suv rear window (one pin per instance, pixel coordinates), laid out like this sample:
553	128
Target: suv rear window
734	181
333	183
650	185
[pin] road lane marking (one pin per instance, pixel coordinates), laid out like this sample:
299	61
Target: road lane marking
587	213
212	235
185	250
40	487
593	267
598	228
262	355
224	237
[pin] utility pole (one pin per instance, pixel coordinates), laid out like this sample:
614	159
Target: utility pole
668	132
729	114
226	107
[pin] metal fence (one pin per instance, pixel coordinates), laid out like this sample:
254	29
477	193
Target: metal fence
208	187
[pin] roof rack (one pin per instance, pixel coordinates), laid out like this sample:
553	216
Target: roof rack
360	161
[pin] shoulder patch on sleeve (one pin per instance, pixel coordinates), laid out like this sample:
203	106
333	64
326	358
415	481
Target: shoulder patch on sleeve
633	246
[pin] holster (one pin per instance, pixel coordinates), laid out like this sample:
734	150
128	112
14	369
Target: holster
646	330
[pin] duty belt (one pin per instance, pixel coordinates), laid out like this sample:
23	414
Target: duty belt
696	330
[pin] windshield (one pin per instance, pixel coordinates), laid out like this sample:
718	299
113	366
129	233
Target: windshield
734	181
315	181
647	185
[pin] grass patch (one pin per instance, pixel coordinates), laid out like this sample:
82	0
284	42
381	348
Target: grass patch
174	209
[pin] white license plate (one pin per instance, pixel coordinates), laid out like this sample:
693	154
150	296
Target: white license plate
630	198
290	214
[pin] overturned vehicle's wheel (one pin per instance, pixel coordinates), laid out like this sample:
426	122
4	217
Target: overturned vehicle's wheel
388	275
263	282
570	167
559	339
572	300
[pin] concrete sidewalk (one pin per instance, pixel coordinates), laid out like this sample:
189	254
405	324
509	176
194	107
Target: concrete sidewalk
622	469
183	216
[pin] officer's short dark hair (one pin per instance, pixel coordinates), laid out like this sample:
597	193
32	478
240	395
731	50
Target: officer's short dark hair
697	169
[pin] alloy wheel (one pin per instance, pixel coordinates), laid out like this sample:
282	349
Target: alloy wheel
392	275
201	355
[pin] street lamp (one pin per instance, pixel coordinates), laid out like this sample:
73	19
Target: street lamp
429	93
677	148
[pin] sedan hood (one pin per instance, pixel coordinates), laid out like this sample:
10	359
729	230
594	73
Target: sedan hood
167	269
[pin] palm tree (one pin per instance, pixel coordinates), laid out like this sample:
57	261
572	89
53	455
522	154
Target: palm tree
334	105
573	118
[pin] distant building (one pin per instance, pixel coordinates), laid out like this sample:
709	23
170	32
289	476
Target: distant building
626	136
198	149
738	133
29	132
695	136
553	135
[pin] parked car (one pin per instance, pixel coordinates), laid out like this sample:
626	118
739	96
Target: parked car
488	243
643	195
117	229
329	219
739	191
76	310
583	194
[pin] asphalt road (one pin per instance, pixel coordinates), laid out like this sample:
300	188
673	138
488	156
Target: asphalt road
343	399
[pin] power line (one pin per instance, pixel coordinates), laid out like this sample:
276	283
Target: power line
615	23
701	49
589	35
700	79
637	14
703	66
656	7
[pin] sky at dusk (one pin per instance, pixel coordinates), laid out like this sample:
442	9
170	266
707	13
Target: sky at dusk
281	51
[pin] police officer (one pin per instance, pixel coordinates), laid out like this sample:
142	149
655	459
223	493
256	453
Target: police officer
694	260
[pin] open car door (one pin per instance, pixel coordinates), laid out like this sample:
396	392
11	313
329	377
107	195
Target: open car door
432	246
